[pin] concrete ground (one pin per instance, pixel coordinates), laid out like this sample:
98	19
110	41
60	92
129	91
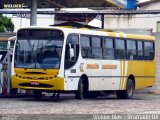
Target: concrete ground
142	103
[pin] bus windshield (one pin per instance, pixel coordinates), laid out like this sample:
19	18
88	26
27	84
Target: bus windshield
38	48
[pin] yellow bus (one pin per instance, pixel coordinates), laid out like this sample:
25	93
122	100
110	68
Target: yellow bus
85	61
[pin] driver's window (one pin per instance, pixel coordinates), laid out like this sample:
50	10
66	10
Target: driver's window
72	50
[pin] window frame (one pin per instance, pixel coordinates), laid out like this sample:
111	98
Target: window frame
108	48
153	50
142	41
114	39
83	35
75	34
131	50
115	49
100	47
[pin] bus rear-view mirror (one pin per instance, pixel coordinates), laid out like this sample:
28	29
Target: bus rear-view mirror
71	51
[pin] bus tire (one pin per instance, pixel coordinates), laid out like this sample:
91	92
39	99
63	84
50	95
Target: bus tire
83	92
13	91
79	92
128	93
37	94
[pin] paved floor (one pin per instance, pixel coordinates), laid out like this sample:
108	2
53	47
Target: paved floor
67	104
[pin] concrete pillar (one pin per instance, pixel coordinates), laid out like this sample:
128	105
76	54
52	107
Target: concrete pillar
33	19
157	87
102	21
9	72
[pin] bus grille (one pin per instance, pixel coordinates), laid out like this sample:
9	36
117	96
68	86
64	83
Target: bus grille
35	78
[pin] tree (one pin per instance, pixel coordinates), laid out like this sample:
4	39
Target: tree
6	24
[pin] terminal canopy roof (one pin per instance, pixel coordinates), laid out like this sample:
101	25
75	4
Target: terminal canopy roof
57	3
92	4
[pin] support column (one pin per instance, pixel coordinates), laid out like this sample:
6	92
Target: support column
102	21
157	86
33	18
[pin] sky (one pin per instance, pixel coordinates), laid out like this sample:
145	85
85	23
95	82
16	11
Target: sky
45	20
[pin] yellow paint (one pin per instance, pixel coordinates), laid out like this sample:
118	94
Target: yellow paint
83	28
121	34
48	77
131	36
145	37
104	30
28	71
66	26
123	74
111	34
121	71
92	66
143	71
107	66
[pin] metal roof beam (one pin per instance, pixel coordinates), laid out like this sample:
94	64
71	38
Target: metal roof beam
105	12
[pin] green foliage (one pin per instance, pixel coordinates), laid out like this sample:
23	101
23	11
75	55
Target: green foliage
6	24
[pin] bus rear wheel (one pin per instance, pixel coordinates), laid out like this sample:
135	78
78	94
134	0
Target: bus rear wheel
128	93
37	94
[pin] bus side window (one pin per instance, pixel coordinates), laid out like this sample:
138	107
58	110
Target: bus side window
131	50
149	50
140	50
108	49
71	44
96	47
85	46
120	49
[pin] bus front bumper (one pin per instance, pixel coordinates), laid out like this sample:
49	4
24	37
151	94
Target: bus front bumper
46	85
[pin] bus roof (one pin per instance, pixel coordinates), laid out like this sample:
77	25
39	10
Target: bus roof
6	36
101	32
12	38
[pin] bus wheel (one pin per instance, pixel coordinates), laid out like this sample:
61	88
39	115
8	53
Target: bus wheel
37	94
13	91
128	93
79	92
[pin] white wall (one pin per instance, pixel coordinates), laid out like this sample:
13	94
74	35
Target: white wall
42	20
134	21
151	6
